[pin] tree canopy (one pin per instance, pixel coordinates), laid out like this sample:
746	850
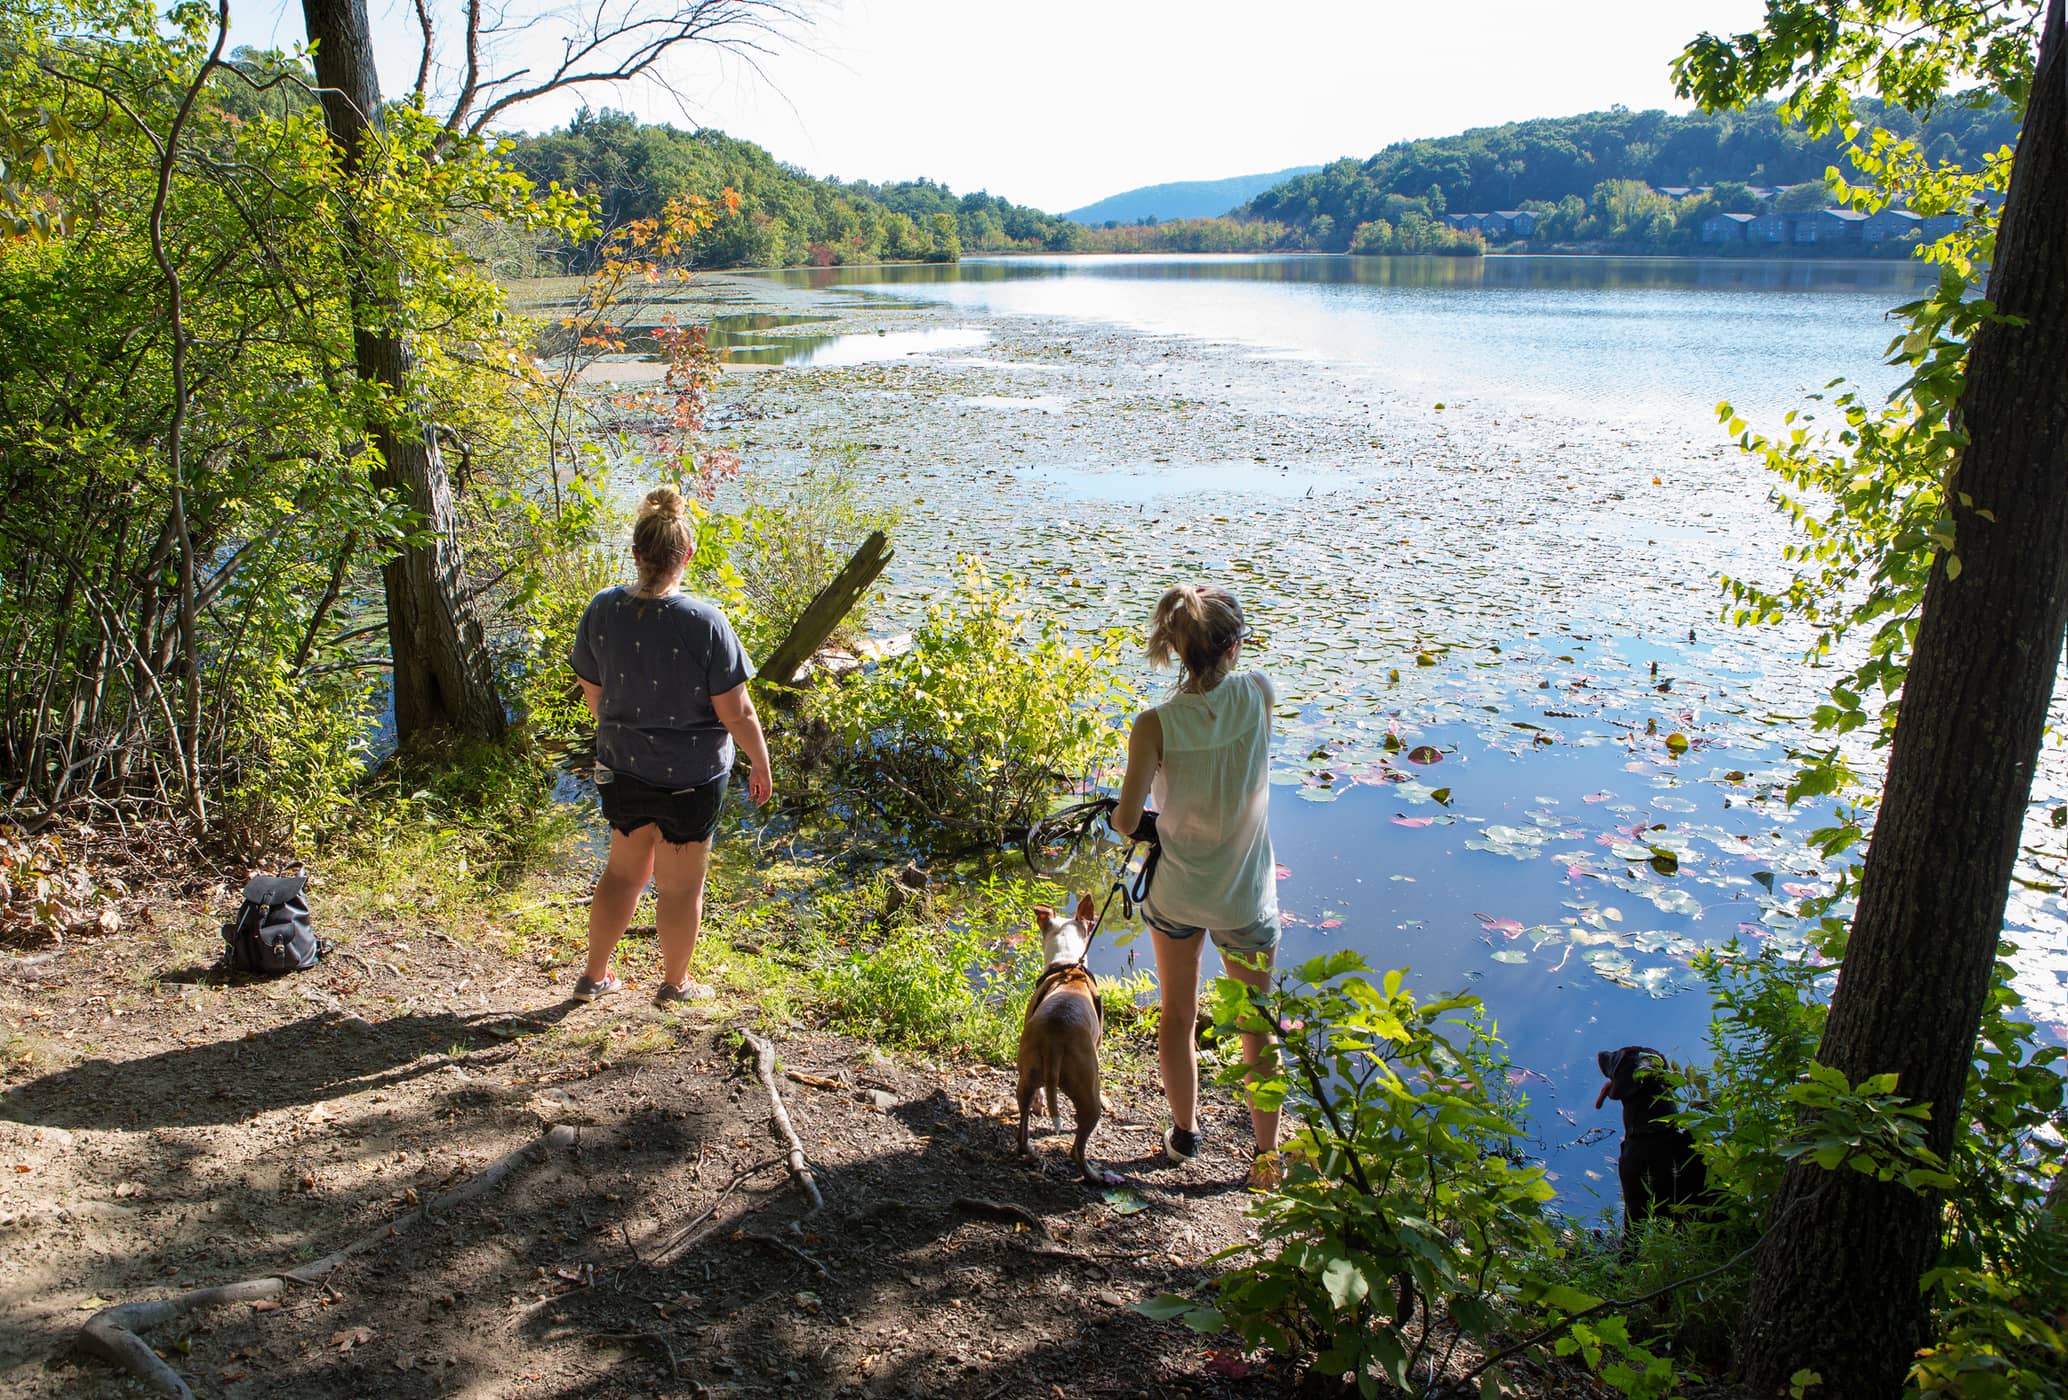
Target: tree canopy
1538	163
784	217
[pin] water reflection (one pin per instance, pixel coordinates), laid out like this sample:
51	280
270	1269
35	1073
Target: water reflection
763	338
1636	340
1897	277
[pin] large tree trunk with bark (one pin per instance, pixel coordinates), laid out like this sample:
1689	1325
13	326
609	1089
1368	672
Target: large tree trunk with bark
1836	1283
443	679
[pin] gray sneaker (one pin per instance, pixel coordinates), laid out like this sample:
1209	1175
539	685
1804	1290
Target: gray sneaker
588	989
668	994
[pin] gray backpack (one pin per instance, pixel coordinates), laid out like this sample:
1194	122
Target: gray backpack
271	933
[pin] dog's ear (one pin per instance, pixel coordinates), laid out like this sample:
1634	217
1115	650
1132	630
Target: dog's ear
1619	1068
1087	911
1044	916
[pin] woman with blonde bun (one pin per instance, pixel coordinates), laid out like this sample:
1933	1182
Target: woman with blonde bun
667	681
1204	756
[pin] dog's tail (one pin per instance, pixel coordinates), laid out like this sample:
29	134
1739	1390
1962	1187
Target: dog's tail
1051	1076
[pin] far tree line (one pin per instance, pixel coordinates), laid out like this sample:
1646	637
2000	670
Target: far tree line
1591	177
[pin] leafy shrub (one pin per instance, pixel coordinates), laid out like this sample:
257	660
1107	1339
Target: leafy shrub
963	737
302	750
47	891
484	812
1403	1188
938	977
1768	1016
565	581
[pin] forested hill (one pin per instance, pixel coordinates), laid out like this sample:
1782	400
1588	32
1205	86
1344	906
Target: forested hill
785	216
1547	159
1182	199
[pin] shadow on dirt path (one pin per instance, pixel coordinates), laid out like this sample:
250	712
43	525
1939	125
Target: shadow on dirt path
313	1058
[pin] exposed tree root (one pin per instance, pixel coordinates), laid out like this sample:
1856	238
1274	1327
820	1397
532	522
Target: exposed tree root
114	1333
676	1243
800	1169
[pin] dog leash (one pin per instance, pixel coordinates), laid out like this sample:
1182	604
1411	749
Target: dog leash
1069	826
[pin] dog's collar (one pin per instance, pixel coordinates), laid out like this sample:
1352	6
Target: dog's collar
1056	974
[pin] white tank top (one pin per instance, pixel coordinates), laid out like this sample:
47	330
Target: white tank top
1212	795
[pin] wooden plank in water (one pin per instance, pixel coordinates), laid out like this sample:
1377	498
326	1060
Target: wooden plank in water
833	603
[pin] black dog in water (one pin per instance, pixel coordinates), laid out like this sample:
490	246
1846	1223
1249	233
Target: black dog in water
1658	1164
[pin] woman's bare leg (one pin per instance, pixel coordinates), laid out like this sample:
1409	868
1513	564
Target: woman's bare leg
1177	1027
1254	970
617	894
678	904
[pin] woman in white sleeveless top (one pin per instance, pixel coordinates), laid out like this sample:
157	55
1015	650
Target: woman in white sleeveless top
1204	756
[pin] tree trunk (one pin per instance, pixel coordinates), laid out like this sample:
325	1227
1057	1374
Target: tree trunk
442	676
1836	1283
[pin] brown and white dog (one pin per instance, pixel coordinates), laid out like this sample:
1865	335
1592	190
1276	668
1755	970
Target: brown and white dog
1059	1039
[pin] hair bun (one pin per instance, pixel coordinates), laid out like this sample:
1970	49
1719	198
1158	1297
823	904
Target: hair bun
664	502
1196	624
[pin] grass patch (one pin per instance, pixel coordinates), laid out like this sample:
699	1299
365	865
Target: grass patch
20	1050
948	973
608	1044
1696	1323
479	850
471	842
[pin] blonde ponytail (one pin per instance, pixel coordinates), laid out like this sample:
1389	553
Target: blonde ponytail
662	539
1195	625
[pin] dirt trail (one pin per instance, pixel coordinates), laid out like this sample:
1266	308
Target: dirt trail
162	1131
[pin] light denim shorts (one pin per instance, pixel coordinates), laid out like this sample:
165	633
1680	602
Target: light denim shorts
1251	939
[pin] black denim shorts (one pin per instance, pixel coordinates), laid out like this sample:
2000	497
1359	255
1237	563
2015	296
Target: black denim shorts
683	817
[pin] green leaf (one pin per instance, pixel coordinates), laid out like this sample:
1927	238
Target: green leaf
1392	1359
1472	1314
1163	1307
1344	1282
1562	1297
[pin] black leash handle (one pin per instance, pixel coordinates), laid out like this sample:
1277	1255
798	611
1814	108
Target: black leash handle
1077	820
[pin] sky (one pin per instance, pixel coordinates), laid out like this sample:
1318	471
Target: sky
1063	103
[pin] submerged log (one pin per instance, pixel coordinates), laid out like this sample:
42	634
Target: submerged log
832	604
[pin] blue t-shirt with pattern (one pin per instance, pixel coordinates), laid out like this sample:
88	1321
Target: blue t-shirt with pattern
659	661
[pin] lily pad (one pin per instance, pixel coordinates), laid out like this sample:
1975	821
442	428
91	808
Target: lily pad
1672	900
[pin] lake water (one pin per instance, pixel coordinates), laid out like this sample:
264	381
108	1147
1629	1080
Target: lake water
1477	510
1630	339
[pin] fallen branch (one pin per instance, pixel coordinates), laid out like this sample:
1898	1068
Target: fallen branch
680	1240
114	1333
764	1069
815	1081
775	1242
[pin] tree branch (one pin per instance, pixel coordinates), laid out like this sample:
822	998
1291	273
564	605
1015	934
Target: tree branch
423	63
613	43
